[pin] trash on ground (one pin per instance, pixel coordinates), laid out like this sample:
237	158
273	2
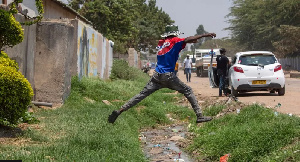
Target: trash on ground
174	130
176	138
89	100
224	158
278	106
106	102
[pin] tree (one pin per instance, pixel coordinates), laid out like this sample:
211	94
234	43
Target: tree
255	24
199	31
129	23
11	32
290	42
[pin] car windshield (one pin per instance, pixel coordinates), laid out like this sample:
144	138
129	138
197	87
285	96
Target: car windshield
257	59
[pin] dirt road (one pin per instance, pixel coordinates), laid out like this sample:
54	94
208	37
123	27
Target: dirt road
290	102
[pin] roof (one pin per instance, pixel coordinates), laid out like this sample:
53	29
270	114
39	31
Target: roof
71	10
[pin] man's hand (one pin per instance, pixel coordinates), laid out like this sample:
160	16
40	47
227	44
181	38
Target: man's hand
210	35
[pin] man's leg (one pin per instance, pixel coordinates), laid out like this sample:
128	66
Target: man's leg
176	84
190	74
221	84
186	74
151	87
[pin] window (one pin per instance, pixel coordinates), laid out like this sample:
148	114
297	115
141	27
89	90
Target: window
233	61
257	59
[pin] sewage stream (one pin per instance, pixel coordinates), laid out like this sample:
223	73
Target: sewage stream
160	144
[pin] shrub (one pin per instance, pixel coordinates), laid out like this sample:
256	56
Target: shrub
15	92
6	61
121	70
11	32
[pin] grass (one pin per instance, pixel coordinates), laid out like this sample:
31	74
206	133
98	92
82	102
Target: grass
78	131
255	134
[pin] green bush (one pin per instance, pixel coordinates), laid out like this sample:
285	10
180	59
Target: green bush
6	61
121	70
15	92
11	32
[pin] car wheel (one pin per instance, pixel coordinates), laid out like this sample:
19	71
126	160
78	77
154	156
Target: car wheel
234	92
281	91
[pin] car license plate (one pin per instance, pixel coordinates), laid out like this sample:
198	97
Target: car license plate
259	82
214	65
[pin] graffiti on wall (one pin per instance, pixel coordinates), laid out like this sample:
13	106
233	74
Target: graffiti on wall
87	51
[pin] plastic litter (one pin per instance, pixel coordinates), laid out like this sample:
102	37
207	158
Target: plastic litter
276	113
179	158
164	102
238	111
157	145
224	158
278	106
290	114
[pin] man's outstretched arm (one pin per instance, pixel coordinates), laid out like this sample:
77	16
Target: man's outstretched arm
193	39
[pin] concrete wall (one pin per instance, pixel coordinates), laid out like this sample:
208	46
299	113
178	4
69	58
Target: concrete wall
94	52
55	50
53	61
64	49
134	58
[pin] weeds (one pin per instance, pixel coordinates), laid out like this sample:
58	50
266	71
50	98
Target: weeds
253	134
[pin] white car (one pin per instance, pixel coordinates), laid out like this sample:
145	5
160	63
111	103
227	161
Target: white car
256	71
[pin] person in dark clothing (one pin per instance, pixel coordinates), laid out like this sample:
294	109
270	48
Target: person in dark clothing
163	76
222	67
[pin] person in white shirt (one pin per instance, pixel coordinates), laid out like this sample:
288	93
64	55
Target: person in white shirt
187	63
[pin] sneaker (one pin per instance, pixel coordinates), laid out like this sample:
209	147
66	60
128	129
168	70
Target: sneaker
113	116
201	119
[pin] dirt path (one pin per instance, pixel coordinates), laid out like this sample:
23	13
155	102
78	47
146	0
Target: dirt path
290	102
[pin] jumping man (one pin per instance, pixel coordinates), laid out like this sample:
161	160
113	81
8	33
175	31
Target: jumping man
163	76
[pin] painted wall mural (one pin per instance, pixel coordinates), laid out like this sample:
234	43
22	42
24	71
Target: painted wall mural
87	51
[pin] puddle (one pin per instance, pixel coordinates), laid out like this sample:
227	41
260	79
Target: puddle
160	144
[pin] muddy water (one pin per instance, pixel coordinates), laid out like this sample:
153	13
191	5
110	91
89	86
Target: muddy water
160	144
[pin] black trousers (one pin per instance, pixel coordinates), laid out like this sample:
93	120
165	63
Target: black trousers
164	80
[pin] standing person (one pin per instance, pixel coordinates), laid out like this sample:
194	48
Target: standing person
187	63
176	68
163	76
222	67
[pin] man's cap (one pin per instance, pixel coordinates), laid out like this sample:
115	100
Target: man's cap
187	55
171	30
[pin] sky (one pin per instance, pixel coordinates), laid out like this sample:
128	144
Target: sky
189	14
